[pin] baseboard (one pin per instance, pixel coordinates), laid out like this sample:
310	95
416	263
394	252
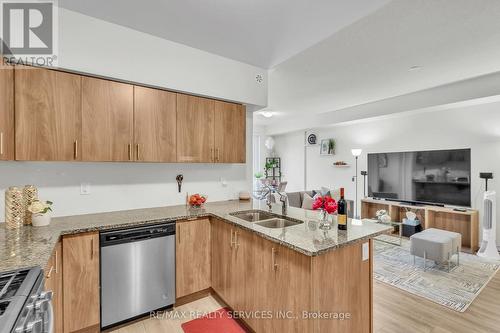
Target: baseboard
193	297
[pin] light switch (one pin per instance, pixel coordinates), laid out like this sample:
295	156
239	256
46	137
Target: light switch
366	251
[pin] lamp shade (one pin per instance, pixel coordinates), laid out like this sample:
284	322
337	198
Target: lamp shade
356	152
269	143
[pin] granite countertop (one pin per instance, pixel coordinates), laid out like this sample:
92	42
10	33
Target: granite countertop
32	246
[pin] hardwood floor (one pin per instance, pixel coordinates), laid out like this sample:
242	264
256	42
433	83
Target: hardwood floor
395	311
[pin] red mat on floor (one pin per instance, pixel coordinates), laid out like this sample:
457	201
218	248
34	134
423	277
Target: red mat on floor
215	322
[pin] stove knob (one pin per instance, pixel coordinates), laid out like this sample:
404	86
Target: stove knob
46	295
34	327
42	305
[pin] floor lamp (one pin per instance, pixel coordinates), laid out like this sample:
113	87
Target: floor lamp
356	153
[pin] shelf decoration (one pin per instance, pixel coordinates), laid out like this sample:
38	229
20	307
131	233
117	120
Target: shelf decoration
341	164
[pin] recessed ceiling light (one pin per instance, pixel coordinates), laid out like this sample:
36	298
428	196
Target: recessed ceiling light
414	68
267	114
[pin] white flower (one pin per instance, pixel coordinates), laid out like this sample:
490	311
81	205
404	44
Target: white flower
40	207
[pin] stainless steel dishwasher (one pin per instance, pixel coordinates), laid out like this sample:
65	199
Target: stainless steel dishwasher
137	272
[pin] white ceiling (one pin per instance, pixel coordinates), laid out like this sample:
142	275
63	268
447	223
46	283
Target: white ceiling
326	56
258	32
369	60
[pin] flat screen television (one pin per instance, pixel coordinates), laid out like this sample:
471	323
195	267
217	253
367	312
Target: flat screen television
439	177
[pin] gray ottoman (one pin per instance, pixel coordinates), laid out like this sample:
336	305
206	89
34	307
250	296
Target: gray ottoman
436	244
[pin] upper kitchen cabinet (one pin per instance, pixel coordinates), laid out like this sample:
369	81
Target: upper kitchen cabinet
195	129
230	133
6	112
155	123
48	115
107	120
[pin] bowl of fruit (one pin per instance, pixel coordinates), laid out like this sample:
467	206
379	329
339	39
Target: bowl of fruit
197	200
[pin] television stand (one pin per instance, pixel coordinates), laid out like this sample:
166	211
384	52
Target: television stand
465	223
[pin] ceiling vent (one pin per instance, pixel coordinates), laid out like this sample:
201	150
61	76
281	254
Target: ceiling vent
259	78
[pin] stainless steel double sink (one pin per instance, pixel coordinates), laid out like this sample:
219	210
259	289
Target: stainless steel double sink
266	219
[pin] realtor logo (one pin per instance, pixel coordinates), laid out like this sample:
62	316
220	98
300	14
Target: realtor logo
29	28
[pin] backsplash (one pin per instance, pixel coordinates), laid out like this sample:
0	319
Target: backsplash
121	186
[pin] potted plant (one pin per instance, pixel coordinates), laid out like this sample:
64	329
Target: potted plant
40	211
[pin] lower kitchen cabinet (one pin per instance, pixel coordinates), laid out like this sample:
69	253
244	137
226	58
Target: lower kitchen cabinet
222	252
230	259
280	285
53	282
260	278
81	282
193	253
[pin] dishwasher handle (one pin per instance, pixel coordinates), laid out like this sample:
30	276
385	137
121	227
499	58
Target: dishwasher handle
136	234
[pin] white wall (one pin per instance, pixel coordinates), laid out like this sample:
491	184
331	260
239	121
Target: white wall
95	46
475	127
121	186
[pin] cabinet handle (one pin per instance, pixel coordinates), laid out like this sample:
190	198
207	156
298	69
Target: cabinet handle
137	151
179	234
231	244
75	149
56	261
92	249
130	152
218	156
273	253
236	244
1	143
49	273
212	154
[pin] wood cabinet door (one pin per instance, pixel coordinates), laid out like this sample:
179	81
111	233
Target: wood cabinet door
48	115
81	282
195	129
230	132
155	123
295	269
221	259
193	256
53	282
240	287
279	284
107	118
6	112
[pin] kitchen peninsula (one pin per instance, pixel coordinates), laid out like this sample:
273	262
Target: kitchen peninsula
303	278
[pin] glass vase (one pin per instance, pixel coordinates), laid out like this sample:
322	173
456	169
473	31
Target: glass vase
325	223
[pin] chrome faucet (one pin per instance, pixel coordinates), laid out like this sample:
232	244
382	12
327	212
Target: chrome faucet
283	199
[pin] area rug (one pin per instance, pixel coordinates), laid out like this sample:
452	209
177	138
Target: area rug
215	322
455	290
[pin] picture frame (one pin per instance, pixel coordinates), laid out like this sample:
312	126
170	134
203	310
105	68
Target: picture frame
327	147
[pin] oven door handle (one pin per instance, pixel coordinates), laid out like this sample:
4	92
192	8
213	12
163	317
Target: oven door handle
50	318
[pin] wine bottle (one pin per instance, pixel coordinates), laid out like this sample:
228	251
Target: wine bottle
342	211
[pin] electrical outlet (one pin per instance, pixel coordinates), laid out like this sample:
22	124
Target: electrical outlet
84	188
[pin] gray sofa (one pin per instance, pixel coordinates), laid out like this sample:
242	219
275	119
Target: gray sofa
295	200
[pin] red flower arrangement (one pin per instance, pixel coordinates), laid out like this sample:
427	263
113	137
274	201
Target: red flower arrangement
326	203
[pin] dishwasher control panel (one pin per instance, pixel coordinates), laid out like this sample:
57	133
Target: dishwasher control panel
135	234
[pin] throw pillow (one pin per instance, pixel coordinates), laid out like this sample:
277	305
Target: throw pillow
307	202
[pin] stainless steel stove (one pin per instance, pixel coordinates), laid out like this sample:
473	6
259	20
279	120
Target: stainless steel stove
24	305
